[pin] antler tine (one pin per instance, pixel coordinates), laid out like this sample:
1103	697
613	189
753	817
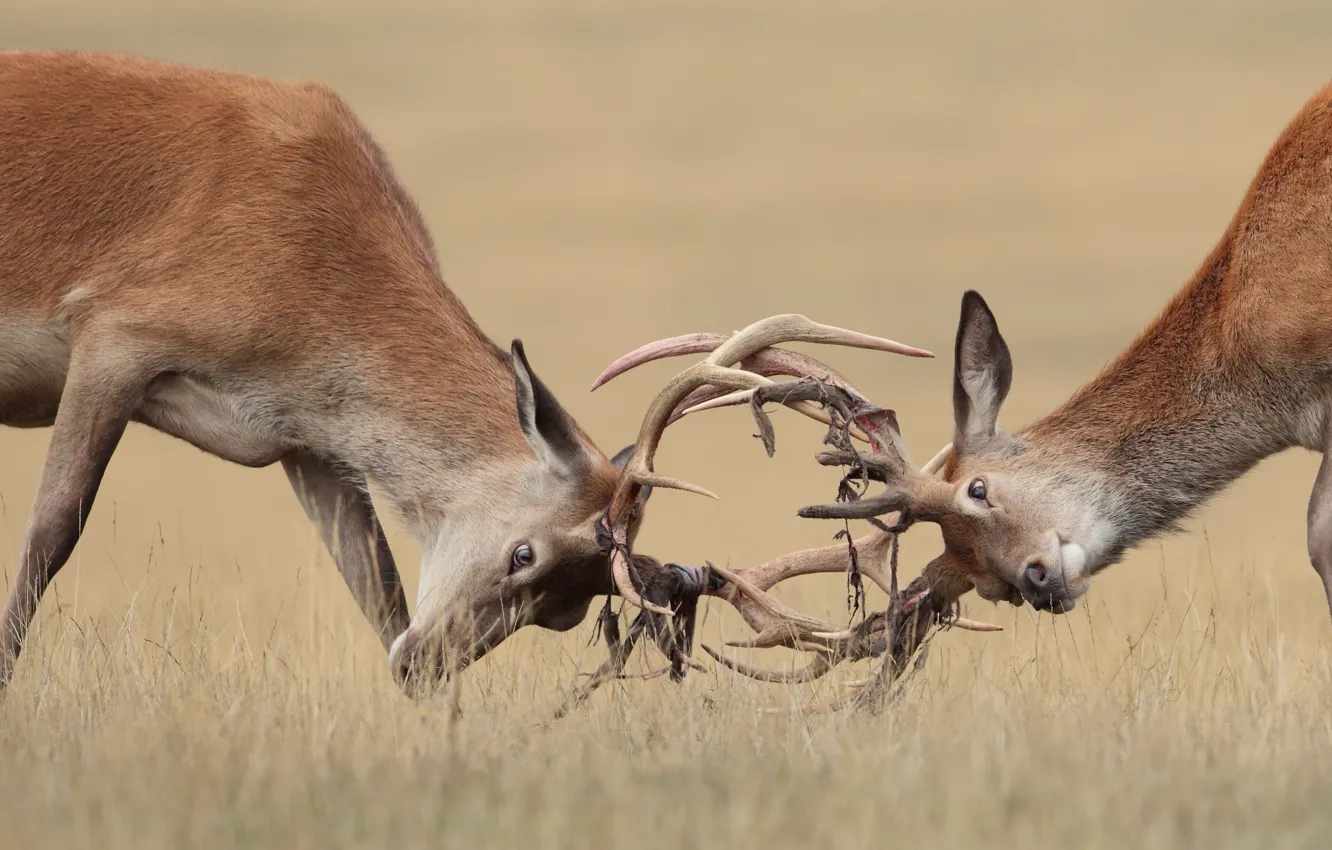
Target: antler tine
793	327
675	346
779	361
698	396
936	464
698	343
816	669
776	624
769	362
712	398
974	625
716	370
871	552
766	612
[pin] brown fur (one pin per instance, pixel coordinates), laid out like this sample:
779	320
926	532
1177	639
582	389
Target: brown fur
231	260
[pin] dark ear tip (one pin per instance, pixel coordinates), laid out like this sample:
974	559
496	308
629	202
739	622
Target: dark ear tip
974	308
971	300
519	353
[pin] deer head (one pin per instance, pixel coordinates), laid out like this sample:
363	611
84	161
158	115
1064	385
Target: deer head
520	546
1022	519
561	523
1033	518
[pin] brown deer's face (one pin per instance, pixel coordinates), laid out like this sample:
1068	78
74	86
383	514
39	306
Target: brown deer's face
1025	522
524	545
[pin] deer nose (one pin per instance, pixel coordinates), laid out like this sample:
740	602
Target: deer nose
1036	575
417	672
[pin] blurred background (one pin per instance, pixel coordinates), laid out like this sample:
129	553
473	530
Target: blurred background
597	174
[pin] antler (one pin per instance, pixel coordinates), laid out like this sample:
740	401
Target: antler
775	624
681	586
910	494
717	371
826	396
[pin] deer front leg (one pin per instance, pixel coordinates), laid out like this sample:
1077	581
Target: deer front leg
1320	516
101	392
339	506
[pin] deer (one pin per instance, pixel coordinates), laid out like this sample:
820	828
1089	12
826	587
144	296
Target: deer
232	261
1235	368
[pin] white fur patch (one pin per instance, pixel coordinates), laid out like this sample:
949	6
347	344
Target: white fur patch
1073	560
76	298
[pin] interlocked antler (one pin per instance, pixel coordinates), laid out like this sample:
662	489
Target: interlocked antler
911	494
777	625
679	585
715	372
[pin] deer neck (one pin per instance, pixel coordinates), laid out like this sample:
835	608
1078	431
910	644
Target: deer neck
1181	413
433	423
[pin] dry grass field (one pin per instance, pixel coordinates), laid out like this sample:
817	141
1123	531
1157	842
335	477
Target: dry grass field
598	173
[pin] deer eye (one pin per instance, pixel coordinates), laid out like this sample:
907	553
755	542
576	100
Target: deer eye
977	490
523	556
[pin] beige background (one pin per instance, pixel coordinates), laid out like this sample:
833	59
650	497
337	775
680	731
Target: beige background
599	173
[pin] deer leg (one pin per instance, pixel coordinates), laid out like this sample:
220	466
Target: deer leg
339	506
100	395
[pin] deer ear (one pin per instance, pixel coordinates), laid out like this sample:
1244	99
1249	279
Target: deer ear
620	459
982	374
548	428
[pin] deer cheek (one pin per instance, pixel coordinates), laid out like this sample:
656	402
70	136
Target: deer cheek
993	589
